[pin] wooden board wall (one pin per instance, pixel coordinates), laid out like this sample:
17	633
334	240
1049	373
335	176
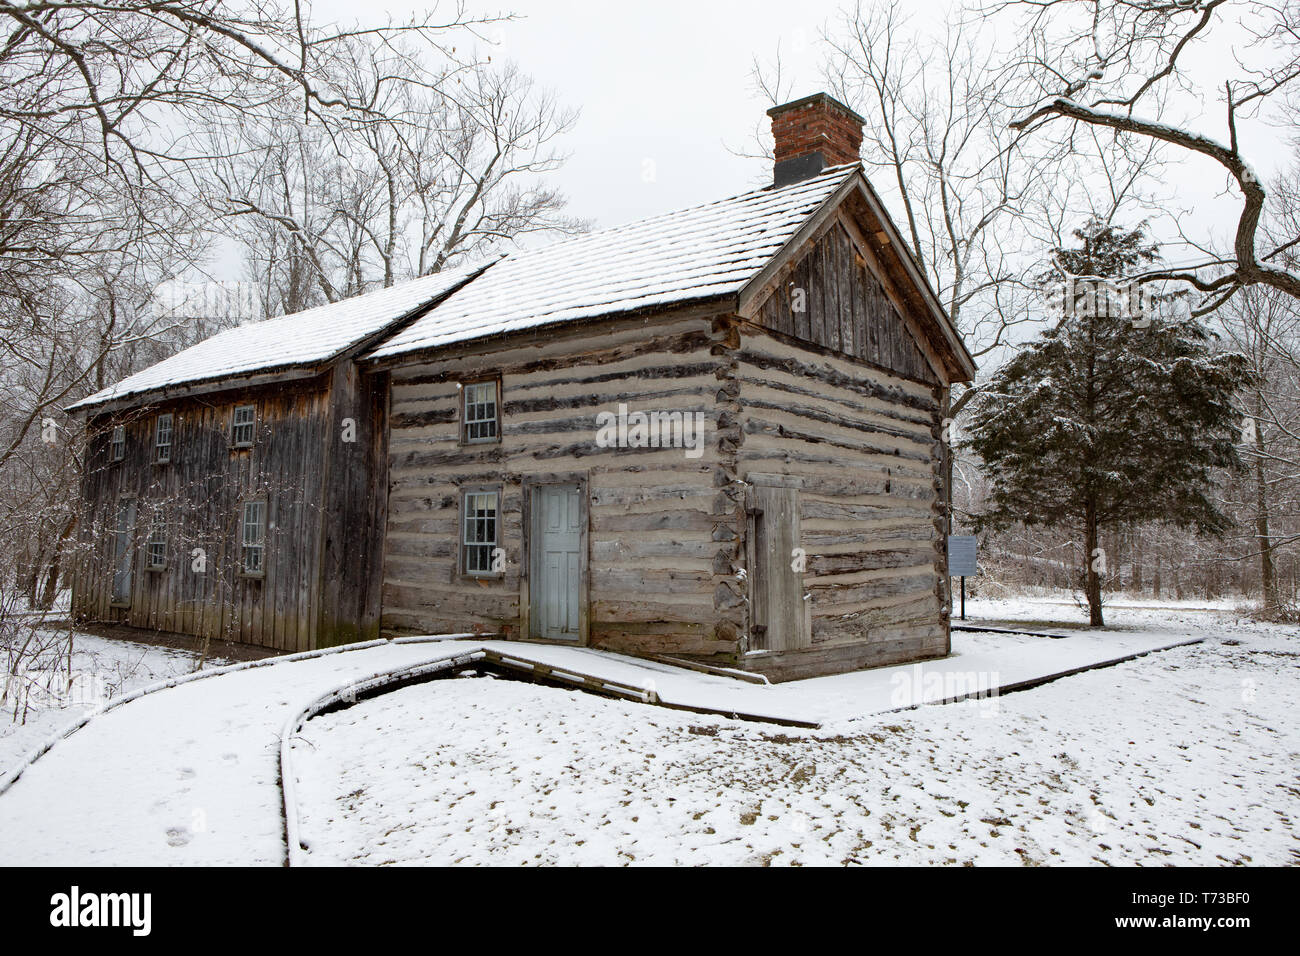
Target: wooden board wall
354	463
831	296
201	489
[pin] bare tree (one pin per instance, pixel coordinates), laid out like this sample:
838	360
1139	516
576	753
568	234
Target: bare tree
98	159
1102	64
1263	324
979	201
430	174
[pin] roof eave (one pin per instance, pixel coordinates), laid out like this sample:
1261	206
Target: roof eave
283	373
726	301
207	386
964	360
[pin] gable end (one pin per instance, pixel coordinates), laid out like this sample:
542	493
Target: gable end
831	296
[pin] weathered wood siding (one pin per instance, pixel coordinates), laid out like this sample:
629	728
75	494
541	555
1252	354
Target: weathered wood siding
834	297
841	405
660	529
354	464
201	489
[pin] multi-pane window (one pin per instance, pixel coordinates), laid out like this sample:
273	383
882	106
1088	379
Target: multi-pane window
479	412
479	531
163	438
158	539
241	428
117	444
253	537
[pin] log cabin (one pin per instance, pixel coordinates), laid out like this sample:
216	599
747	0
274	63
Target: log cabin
714	435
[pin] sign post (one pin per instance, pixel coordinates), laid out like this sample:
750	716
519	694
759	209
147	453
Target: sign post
961	562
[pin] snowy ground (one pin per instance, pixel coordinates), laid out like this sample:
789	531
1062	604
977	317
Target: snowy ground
102	668
1188	756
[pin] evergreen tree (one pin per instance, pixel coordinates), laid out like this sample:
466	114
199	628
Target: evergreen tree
1108	418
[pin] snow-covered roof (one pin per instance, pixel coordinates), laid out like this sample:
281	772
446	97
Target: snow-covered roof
307	338
691	254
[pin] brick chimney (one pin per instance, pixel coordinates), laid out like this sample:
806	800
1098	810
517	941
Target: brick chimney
812	134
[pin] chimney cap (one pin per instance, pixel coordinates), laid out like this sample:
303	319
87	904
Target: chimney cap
818	98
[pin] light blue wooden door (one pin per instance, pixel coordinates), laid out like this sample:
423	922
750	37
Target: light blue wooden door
554	591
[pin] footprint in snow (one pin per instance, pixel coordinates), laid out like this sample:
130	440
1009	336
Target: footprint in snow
178	836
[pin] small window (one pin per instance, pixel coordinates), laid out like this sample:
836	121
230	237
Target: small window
253	538
158	539
479	411
479	532
163	439
117	445
241	428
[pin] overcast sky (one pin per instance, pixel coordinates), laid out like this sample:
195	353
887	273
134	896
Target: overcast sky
668	84
664	82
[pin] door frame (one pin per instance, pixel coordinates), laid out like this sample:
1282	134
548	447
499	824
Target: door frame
753	558
529	483
132	543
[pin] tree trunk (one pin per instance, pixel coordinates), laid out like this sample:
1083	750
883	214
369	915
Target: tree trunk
51	591
1135	550
1092	579
30	576
1266	576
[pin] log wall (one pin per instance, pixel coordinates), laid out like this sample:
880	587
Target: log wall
657	521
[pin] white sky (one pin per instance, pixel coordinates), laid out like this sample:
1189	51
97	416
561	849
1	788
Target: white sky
665	82
668	83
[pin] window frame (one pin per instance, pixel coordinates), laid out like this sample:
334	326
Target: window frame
157	536
462	400
236	425
260	544
117	443
157	434
463	545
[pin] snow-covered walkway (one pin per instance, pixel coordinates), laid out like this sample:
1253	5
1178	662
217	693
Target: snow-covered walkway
189	775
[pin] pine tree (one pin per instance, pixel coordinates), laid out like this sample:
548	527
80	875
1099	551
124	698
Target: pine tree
1108	418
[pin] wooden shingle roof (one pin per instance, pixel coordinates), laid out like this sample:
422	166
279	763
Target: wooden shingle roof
705	252
305	339
691	254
